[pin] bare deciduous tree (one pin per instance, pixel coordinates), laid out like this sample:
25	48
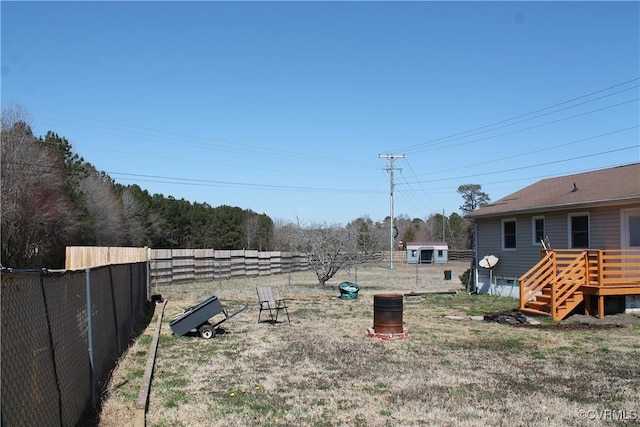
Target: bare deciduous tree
331	248
250	225
328	249
35	206
133	220
105	209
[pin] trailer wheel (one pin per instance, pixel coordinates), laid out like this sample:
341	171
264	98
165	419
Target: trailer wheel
207	331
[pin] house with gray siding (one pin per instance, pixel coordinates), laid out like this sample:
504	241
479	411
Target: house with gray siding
591	210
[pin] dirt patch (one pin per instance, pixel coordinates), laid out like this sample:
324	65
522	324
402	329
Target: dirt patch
616	319
575	322
506	318
569	326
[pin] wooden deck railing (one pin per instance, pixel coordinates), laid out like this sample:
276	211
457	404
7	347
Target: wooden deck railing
537	278
617	266
563	274
568	280
607	267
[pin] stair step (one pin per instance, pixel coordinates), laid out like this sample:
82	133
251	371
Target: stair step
543	298
546	296
542	303
537	305
545	304
534	311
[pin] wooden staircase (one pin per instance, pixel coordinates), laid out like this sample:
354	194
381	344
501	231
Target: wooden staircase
553	286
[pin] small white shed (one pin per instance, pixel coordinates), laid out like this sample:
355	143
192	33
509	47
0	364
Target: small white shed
427	253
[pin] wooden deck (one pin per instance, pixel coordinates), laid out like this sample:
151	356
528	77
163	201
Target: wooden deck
563	279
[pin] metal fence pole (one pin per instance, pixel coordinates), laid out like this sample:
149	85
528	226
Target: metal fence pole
90	338
131	281
114	307
148	279
52	349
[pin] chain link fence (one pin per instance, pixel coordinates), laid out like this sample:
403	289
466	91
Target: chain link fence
62	333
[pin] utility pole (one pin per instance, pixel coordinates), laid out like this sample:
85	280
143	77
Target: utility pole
444	239
390	169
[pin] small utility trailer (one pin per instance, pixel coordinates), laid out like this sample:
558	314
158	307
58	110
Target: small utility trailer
197	318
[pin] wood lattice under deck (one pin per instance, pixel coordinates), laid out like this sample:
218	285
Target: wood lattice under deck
563	279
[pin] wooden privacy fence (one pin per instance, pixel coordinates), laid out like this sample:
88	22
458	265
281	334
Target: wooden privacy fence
465	255
180	265
460	255
80	257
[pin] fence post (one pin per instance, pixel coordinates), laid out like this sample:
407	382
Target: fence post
114	308
600	268
131	312
52	350
90	338
147	279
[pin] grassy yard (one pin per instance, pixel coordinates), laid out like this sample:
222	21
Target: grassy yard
321	370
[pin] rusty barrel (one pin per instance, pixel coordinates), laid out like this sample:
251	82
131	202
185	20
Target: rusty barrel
387	313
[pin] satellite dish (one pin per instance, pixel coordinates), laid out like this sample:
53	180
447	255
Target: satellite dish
488	261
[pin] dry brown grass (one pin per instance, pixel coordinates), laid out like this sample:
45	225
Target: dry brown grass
322	369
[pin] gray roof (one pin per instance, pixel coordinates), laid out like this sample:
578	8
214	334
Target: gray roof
617	185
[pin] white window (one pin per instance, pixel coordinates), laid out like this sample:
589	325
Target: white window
537	228
630	228
579	230
509	234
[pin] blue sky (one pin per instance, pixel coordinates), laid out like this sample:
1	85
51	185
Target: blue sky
285	107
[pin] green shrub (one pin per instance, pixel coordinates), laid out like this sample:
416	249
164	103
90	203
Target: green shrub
464	278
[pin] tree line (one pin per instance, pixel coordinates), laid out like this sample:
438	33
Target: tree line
52	198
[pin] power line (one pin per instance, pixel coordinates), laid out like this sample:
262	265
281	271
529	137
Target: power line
187	140
212	163
533	166
407	193
538	116
530	127
411	147
415	199
204	182
528	178
546	149
410	194
263	151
